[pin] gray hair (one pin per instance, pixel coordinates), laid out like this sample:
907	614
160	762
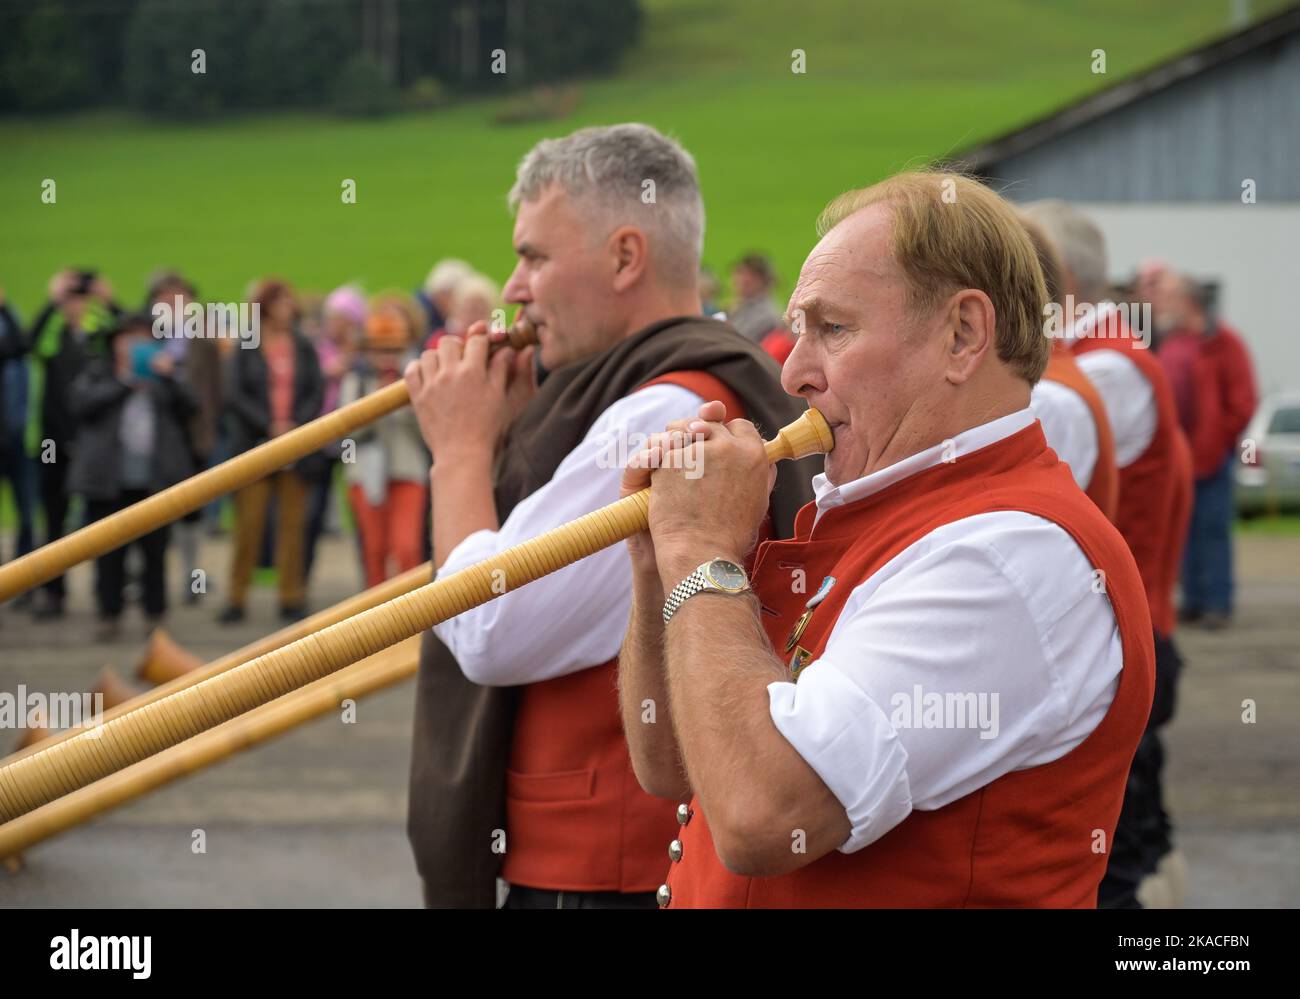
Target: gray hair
1079	242
633	174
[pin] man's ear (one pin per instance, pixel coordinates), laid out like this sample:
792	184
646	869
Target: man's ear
629	254
972	333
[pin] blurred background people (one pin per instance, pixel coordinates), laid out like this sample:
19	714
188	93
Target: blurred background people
198	366
1214	387
132	414
710	290
17	467
341	336
343	316
388	478
474	300
436	294
271	390
62	339
754	314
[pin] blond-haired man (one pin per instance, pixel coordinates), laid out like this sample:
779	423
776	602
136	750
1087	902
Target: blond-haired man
945	714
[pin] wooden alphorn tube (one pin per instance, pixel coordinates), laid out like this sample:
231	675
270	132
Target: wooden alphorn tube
373	597
94	753
139	519
396	663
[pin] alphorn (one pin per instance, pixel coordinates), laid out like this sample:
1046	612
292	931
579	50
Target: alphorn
373	597
94	753
139	519
395	664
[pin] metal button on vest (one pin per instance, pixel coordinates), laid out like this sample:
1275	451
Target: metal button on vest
663	896
675	850
684	814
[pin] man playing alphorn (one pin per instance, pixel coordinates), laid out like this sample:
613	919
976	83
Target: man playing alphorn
519	764
947	715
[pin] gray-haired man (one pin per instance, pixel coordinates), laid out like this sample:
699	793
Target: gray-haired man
519	763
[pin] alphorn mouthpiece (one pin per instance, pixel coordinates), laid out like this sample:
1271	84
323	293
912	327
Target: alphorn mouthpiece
807	435
522	333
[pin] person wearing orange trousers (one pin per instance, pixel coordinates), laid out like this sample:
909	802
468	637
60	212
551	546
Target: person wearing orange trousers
388	473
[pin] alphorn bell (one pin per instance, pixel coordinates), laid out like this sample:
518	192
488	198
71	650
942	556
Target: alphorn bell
395	664
164	660
171	504
373	597
110	687
88	756
113	688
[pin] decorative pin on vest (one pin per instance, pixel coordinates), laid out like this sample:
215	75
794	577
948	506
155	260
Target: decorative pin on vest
801	655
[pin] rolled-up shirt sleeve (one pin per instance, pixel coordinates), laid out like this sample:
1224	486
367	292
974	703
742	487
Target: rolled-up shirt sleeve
576	617
981	649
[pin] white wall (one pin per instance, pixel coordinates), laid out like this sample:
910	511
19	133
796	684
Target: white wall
1253	251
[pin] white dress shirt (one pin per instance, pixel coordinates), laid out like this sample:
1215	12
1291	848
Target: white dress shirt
1126	395
575	618
1068	426
1001	604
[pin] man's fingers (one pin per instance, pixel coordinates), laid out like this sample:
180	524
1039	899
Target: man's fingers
476	351
636	474
429	365
713	412
684	426
742	428
524	362
499	367
450	348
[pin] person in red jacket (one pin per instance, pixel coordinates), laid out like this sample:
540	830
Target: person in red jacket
945	714
1214	385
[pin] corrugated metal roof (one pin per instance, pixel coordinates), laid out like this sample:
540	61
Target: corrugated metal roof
1193	128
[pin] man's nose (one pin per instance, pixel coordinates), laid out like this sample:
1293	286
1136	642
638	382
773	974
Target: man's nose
516	289
802	372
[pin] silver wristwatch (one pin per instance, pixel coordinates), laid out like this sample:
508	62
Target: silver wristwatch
719	575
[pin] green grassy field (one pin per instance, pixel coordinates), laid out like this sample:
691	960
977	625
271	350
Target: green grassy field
887	84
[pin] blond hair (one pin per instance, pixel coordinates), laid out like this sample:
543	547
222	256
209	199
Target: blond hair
950	232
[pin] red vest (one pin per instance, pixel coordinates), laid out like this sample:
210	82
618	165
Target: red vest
1155	491
1103	487
1029	838
576	817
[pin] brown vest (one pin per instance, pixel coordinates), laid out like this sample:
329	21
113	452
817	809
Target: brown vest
463	732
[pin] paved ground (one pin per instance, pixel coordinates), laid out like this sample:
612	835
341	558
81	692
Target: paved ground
316	818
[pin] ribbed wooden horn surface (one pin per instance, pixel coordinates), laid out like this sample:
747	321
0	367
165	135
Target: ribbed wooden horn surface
373	597
95	753
257	726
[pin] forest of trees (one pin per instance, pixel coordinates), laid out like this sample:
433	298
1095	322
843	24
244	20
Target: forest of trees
359	56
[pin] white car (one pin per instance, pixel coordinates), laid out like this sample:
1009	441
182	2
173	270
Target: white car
1268	472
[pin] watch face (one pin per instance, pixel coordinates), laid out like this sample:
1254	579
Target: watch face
726	574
